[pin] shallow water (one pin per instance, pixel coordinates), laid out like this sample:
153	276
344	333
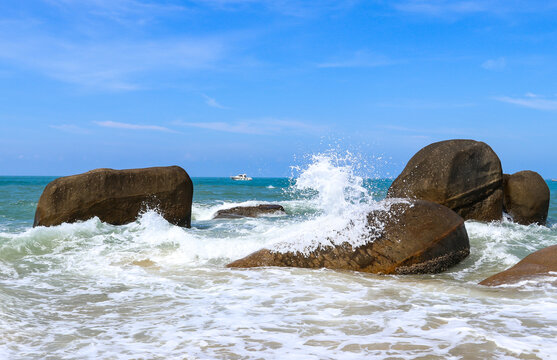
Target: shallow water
156	291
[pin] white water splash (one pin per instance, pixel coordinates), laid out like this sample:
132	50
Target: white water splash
330	184
333	178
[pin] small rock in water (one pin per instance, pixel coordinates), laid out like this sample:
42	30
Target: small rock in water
539	263
416	237
146	263
249	211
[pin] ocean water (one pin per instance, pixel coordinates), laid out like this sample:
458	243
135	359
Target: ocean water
151	290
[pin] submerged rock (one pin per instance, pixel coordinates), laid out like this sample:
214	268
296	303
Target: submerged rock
541	262
412	237
464	175
526	197
249	211
117	196
145	263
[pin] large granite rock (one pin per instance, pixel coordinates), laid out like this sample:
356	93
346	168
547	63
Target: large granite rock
412	237
117	196
541	262
526	197
249	211
464	175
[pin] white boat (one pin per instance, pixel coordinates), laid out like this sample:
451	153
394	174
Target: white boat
242	177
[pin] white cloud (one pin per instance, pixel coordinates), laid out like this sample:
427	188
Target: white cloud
213	103
143	11
495	64
425	131
441	7
128	126
95	55
423	104
296	8
458	8
122	11
71	128
256	127
108	65
362	58
238	127
531	101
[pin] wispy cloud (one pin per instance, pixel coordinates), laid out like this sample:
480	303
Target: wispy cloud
77	47
256	127
441	7
361	58
122	11
421	132
128	126
71	128
295	8
125	10
454	8
495	64
424	104
237	127
531	101
213	102
108	65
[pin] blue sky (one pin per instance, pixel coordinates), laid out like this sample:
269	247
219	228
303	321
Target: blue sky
226	86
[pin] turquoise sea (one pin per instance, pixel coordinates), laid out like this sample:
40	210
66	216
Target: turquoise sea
151	290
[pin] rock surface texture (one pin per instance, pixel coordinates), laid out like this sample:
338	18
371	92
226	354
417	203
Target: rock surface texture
117	196
249	211
412	237
464	175
526	197
541	262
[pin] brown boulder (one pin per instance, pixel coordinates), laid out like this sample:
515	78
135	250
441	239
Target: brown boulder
249	211
526	197
538	263
464	175
412	237
117	196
